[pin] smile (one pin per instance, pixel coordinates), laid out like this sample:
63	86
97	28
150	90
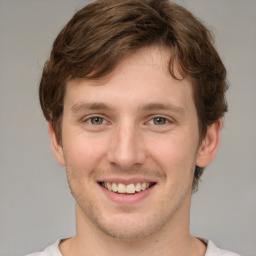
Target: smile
121	188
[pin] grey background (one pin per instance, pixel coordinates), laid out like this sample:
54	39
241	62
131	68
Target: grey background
36	207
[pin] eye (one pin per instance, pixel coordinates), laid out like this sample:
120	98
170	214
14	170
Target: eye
159	120
96	120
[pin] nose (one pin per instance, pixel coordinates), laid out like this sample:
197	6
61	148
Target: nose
126	149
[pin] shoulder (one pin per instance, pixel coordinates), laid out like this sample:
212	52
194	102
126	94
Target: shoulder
52	250
213	250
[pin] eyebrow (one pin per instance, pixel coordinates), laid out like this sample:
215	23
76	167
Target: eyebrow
89	106
148	107
161	106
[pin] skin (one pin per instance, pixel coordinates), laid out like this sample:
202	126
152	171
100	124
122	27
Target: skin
111	131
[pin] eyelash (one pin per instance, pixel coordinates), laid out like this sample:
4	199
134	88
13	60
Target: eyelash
90	118
166	120
151	121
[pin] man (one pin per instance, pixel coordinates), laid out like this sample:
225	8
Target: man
134	93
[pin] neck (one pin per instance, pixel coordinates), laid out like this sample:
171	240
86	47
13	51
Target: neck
172	239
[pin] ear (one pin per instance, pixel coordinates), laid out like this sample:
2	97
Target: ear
210	144
56	145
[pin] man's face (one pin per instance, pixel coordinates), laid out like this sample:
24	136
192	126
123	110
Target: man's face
130	145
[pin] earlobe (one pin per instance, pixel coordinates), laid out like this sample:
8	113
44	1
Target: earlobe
56	145
210	144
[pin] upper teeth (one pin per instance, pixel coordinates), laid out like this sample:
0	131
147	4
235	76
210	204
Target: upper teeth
130	188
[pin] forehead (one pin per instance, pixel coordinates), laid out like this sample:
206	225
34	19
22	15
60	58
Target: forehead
141	78
155	57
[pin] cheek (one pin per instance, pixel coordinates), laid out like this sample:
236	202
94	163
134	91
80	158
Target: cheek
175	154
176	158
174	149
83	152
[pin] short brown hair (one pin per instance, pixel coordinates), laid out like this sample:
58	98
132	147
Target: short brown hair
101	34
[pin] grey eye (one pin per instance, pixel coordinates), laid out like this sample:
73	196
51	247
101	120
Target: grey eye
96	120
159	120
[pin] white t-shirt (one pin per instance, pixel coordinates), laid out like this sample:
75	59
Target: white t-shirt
212	250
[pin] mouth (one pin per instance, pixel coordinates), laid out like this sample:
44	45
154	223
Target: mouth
132	188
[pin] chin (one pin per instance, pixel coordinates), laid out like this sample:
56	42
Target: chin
129	227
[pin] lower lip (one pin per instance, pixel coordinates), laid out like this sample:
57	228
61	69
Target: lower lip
127	198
